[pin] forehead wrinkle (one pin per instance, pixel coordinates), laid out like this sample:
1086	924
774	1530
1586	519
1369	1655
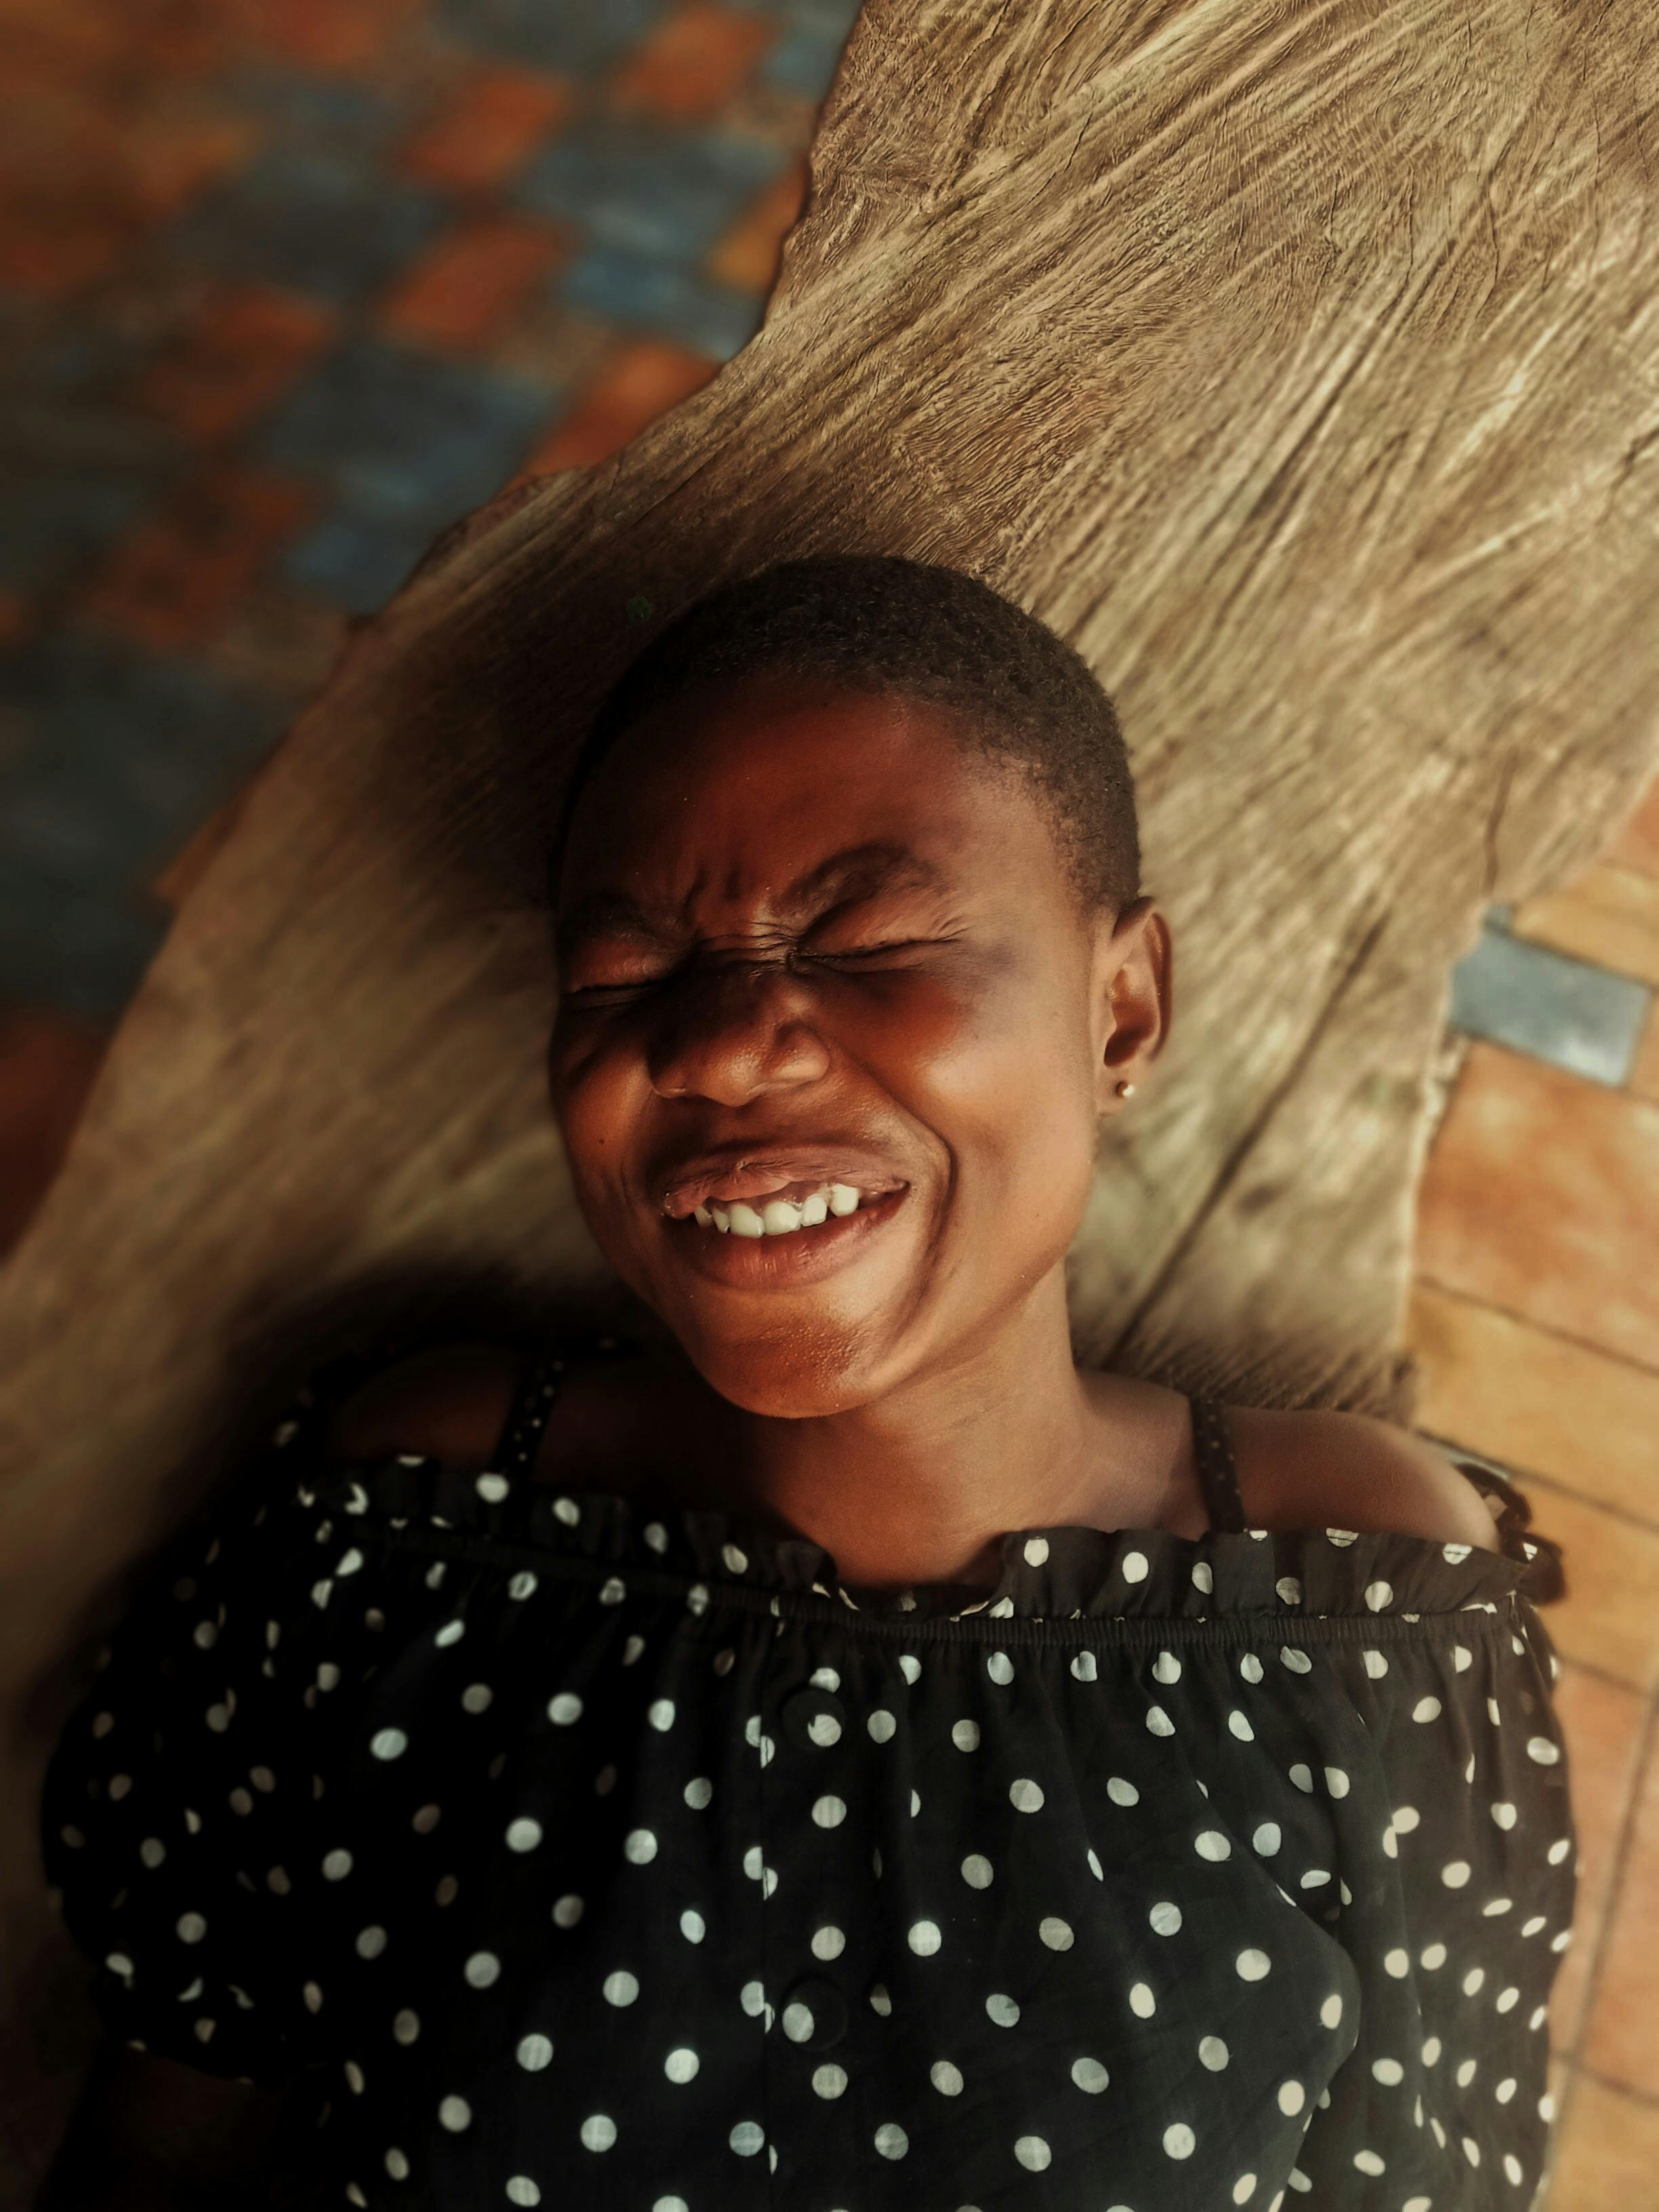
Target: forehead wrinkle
855	871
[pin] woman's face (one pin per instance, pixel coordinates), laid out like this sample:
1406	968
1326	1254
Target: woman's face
941	1006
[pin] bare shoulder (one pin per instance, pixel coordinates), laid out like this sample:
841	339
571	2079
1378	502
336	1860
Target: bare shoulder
1326	1469
614	1421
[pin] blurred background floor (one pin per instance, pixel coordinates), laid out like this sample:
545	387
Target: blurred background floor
286	287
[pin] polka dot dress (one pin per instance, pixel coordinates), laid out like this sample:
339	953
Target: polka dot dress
554	1852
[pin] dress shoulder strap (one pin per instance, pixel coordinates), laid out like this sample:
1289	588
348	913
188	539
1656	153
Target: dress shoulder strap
1217	1476
533	1401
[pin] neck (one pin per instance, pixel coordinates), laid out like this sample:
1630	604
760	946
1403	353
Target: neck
920	1483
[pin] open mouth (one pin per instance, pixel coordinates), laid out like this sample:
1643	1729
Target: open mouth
755	1249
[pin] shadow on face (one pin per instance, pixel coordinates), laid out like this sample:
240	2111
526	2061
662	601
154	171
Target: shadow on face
795	914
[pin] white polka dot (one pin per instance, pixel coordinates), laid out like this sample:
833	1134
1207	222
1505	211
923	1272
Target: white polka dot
483	1968
1037	1550
829	2081
534	2053
1003	2010
406	2027
388	1743
639	1846
682	2066
1032	2153
828	1942
1057	1933
1252	1964
999	1667
336	1866
523	1834
1165	1917
1212	2053
1089	2074
965	1735
925	1938
371	1943
191	1927
1142	2003
455	2113
1025	1796
747	2137
881	1725
945	2077
477	1697
1292	2098
567	1910
599	2131
829	1811
1179	2140
621	1988
660	1714
976	1871
692	1926
1244	2189
564	1709
425	1820
892	2140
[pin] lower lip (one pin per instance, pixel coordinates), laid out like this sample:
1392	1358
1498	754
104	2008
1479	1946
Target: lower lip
757	1262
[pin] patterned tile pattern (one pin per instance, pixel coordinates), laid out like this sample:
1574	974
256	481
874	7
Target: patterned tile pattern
300	282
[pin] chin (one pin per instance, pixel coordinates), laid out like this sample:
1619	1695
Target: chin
783	1381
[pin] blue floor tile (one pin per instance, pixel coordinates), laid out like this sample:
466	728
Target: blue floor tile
644	294
320	223
354	565
321	114
805	58
1554	1008
646	190
83	950
582	37
119	756
406	438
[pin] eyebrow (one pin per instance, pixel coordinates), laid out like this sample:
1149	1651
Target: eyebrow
856	872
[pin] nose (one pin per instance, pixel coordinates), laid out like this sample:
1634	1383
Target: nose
736	1027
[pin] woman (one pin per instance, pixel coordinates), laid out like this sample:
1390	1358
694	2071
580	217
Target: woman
847	1758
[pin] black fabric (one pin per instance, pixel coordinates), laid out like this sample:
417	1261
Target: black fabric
560	1853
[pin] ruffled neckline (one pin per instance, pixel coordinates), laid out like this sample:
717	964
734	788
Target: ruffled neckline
1062	1572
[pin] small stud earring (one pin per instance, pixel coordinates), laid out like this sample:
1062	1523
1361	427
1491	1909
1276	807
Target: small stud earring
1126	1089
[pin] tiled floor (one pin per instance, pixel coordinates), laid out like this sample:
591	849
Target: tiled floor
288	285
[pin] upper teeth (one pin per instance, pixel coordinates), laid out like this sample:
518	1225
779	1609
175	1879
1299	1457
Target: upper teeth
776	1217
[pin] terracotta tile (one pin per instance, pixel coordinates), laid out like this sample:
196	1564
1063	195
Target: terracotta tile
48	1062
173	581
1609	1618
1636	845
466	288
247	348
1606	2151
1603	1724
16	618
639	384
1533	1400
1618	2041
50	257
1643	1081
1541	1196
328	34
1609	914
489	126
689	67
747	258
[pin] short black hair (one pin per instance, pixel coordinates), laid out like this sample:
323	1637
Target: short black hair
881	623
